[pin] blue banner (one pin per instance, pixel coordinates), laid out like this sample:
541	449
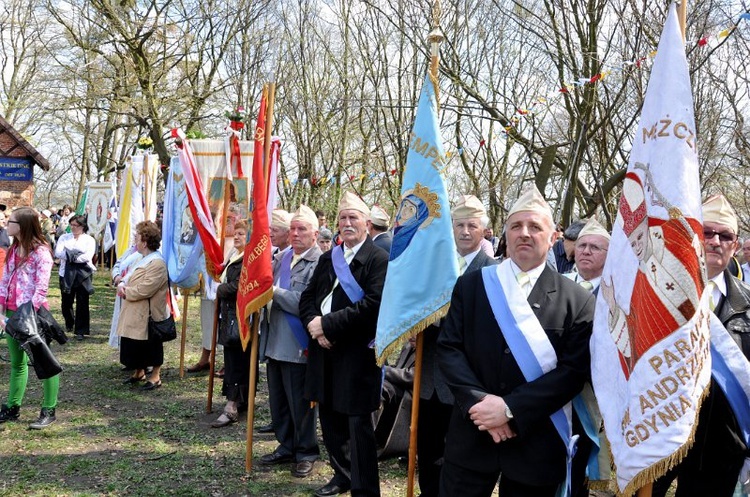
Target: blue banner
423	267
181	245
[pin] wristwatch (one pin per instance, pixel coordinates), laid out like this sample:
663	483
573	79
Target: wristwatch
508	414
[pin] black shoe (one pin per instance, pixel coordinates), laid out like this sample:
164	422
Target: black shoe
331	488
275	458
9	413
303	469
46	418
79	337
150	385
133	380
265	428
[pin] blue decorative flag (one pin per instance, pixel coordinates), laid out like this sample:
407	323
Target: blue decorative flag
181	245
423	267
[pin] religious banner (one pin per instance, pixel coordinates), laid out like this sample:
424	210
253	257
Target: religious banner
131	204
212	158
181	246
151	178
98	200
256	279
415	295
650	349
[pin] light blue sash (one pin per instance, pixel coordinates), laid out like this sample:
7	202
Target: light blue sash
509	319
285	276
732	389
344	274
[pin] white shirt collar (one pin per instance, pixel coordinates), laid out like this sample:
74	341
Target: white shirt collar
533	273
469	258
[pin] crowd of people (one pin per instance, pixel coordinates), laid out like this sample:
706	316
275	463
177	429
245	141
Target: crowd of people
482	422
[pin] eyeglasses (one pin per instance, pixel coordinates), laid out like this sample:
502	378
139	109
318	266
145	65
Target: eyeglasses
14	222
724	236
73	225
590	246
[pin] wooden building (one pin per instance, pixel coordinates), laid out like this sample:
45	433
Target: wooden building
17	160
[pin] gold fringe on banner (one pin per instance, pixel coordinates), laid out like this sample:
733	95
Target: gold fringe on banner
415	330
658	469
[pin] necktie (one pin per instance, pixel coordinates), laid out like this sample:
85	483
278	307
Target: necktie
711	287
461	265
295	259
587	285
348	255
524	281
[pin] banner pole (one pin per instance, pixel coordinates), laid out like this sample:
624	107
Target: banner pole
682	16
183	339
645	491
413	428
251	390
267	136
212	359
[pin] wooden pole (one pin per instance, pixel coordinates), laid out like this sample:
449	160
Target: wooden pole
682	16
212	358
251	390
645	491
183	339
414	416
267	133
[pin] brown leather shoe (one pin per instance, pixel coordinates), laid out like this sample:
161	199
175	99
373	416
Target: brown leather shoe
198	367
226	418
302	469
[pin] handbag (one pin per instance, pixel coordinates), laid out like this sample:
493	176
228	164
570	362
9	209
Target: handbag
161	331
230	336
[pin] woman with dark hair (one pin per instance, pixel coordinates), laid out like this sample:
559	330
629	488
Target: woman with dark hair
144	293
236	362
26	279
76	251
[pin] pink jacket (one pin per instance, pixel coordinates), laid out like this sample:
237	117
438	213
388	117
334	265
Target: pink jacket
30	279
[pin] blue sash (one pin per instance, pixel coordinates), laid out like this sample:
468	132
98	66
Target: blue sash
344	274
736	396
285	275
524	356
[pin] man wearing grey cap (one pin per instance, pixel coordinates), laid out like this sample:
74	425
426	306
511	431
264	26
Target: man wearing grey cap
285	343
340	308
377	227
514	351
714	462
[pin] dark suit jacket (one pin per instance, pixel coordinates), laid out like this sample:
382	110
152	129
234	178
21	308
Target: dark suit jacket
718	434
384	241
345	377
476	361
433	380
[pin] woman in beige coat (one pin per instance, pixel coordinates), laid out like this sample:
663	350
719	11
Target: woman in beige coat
143	291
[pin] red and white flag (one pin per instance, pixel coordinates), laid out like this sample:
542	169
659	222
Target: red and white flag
199	206
650	350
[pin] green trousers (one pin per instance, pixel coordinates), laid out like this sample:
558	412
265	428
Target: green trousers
19	376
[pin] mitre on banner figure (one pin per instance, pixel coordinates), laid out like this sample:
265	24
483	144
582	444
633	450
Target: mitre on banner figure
668	252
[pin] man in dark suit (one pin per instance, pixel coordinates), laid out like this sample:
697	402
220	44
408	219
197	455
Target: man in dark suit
713	463
339	308
501	421
435	398
377	227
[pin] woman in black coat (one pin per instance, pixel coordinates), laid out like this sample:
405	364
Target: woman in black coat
236	362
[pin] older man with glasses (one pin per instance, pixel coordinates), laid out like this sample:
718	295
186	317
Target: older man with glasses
713	464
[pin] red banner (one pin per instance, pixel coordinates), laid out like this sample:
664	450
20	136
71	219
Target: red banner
199	207
256	278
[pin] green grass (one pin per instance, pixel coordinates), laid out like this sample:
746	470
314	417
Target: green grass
111	440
